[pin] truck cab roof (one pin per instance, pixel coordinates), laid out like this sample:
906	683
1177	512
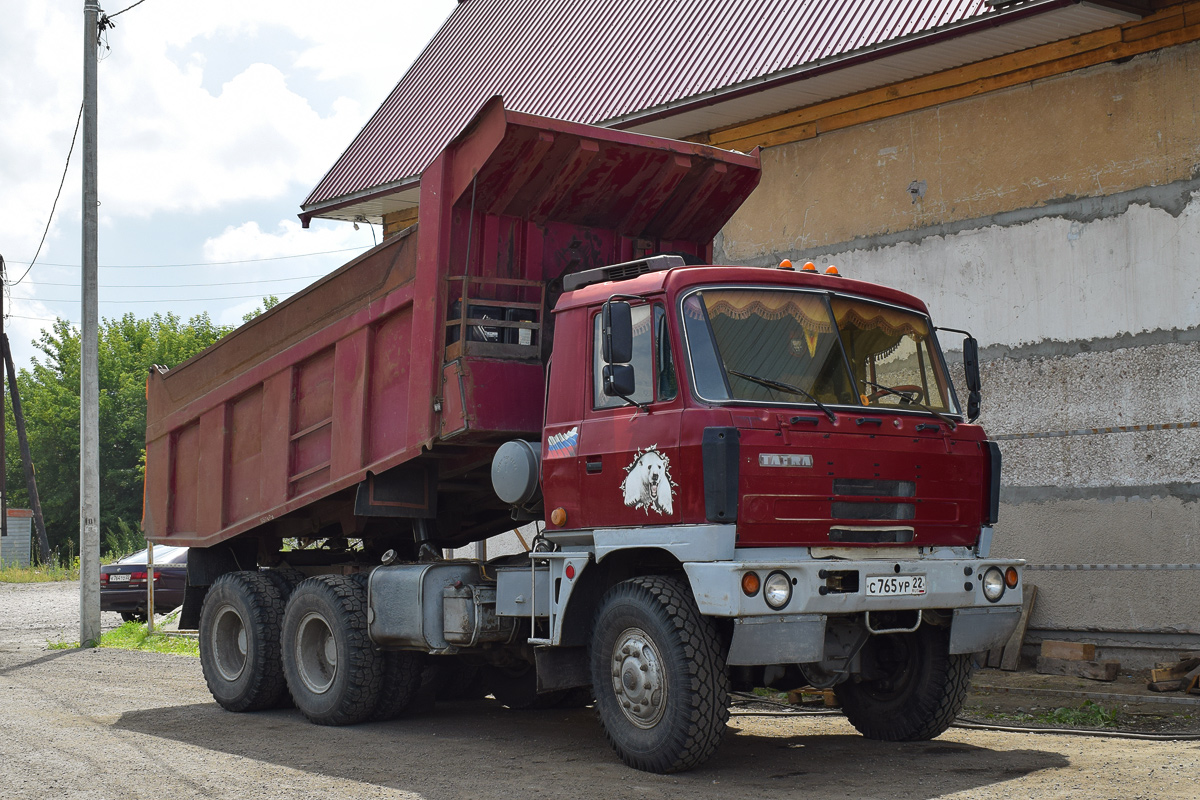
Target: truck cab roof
680	277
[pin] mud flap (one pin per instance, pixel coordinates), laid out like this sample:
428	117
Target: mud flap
974	630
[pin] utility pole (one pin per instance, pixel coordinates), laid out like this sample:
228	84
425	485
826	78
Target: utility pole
89	373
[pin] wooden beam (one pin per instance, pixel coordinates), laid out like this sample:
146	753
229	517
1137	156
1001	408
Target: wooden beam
1172	672
1072	651
1012	649
1092	670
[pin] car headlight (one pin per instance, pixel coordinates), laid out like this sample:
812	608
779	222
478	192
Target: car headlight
993	584
777	589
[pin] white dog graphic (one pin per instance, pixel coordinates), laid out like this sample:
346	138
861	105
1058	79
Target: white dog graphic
648	484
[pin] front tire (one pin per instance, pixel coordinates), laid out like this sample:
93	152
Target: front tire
658	673
333	670
916	688
239	642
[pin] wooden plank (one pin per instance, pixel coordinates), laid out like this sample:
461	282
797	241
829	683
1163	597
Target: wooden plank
994	657
1092	670
1167	686
1172	672
1012	648
1071	651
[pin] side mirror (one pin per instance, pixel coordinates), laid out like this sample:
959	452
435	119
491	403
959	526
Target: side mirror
971	363
974	384
616	328
618	380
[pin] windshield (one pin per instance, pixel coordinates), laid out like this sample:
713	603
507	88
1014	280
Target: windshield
892	355
788	346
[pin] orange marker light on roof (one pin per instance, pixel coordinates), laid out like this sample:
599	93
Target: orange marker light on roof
809	267
832	270
786	264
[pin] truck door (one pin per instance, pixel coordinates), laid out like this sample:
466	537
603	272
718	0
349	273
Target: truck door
628	456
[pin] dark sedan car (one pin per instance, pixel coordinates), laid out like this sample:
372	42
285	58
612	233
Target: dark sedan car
123	584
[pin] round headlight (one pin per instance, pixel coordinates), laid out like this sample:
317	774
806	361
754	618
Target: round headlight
777	590
993	584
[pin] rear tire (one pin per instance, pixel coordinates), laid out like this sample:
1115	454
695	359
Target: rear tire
918	691
239	642
333	670
658	674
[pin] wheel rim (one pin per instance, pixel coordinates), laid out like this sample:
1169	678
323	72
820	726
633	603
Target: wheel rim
316	653
229	643
638	678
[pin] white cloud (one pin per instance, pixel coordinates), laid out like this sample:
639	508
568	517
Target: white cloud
166	142
248	241
206	114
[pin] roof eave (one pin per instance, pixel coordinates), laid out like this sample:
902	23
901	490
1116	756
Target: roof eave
811	70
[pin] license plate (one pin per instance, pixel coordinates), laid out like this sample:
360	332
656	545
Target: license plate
890	585
118	577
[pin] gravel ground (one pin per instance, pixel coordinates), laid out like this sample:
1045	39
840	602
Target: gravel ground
111	723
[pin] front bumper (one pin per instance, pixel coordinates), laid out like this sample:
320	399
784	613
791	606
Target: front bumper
824	588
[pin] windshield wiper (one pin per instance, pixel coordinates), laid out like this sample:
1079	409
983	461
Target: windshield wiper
784	387
909	398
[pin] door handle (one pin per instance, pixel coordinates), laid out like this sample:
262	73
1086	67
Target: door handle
594	466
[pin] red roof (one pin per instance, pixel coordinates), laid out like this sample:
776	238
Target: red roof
668	67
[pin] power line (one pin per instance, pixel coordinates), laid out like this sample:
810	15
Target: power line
123	10
161	300
56	196
38	319
175	285
202	263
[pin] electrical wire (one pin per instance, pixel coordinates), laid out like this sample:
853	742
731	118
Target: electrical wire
206	263
160	300
959	722
179	285
78	120
123	10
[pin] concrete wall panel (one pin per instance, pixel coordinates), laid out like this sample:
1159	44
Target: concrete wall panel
1098	131
1046	278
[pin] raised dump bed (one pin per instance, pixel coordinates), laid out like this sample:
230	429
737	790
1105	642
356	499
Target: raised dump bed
369	404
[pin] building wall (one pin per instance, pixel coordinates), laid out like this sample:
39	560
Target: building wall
1059	220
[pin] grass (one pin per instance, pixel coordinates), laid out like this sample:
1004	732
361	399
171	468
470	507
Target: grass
10	572
1088	715
133	636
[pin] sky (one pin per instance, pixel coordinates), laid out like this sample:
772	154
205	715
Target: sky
216	119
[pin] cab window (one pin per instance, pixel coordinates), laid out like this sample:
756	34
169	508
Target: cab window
654	368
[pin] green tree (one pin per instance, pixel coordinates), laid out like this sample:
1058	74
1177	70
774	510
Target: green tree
129	347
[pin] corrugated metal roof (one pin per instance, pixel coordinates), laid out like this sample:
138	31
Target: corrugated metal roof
670	67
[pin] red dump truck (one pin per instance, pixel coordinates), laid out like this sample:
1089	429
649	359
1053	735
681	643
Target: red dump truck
739	476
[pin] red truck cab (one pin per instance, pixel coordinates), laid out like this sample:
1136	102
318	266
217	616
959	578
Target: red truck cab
717	435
